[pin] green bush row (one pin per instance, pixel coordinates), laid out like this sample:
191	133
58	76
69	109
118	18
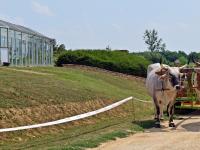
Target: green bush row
119	61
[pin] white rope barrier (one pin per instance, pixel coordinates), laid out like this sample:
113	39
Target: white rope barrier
69	119
142	100
73	118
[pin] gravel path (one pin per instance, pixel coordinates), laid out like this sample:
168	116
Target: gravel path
186	135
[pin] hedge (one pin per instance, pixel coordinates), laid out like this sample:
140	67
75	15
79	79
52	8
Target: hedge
119	61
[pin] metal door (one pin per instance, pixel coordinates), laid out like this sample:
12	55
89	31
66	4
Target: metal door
4	55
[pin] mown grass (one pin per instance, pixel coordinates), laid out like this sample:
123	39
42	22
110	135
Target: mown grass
91	143
20	89
75	135
102	138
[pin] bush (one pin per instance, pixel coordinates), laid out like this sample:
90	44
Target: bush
119	61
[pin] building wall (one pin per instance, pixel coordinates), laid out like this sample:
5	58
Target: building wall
26	49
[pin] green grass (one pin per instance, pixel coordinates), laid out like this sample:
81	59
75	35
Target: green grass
91	143
80	137
18	89
25	97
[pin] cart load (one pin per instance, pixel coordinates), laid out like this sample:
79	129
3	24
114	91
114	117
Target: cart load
188	96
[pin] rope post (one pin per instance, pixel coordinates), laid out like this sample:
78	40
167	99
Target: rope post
133	110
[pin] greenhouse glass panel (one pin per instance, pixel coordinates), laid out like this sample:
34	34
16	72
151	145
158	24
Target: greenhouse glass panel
18	48
30	43
11	42
4	36
24	47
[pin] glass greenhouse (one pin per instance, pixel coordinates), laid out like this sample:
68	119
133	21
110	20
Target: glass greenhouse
21	46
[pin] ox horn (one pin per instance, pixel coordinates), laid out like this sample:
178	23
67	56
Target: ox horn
196	62
184	66
161	62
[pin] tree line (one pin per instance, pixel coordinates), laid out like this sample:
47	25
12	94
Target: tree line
123	61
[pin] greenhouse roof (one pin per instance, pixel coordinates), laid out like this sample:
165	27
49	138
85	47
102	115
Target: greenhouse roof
22	29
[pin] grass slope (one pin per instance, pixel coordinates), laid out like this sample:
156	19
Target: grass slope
60	85
40	94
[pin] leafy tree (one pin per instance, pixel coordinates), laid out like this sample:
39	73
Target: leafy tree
182	53
55	48
170	55
153	57
62	47
153	42
194	55
59	48
183	60
108	48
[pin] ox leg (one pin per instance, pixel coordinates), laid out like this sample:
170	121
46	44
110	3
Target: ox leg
155	113
161	105
157	116
168	109
171	113
157	123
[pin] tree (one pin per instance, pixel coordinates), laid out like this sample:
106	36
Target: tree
55	48
153	42
108	48
59	48
183	60
62	47
182	53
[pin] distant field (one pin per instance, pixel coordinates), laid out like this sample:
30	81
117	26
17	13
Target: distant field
40	94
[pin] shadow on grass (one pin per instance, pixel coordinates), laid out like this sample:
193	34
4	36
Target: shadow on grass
95	142
144	124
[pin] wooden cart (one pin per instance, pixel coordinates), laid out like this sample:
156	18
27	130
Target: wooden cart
187	97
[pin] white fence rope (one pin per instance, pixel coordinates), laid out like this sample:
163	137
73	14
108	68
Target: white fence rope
73	118
69	119
142	100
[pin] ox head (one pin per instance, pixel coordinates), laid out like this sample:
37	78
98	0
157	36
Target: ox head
171	75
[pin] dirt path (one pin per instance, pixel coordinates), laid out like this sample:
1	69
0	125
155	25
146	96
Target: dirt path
185	136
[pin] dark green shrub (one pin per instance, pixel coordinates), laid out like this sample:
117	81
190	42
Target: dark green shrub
118	61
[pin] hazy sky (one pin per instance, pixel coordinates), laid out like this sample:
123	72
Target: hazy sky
118	23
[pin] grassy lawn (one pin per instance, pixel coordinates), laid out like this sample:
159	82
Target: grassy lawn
40	94
60	85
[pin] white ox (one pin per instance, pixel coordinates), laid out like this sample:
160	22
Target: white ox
162	84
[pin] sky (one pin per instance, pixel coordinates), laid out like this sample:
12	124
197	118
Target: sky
121	24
